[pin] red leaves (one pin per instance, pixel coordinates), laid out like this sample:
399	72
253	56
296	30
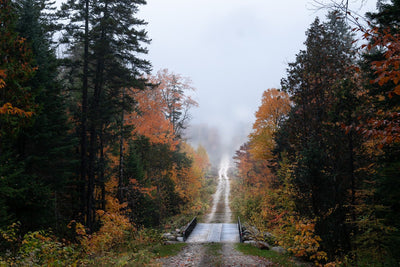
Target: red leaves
388	68
385	128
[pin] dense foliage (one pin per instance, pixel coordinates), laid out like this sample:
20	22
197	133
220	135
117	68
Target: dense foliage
91	147
324	180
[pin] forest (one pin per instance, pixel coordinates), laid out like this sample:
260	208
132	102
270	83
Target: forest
91	147
94	161
321	166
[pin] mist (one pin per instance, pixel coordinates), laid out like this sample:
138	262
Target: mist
233	51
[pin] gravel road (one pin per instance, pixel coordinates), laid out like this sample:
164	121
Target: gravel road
203	254
199	255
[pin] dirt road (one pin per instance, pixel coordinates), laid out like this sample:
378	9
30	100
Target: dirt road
215	254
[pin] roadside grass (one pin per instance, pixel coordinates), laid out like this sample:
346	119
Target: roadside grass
213	249
281	259
167	250
213	252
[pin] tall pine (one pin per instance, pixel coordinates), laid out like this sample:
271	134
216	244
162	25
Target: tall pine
320	83
46	147
106	40
17	105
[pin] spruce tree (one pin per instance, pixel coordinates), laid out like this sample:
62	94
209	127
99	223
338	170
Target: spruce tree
46	146
319	81
17	105
105	41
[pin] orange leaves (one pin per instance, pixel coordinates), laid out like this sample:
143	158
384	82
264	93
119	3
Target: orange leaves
397	88
174	99
384	127
388	68
17	102
144	190
149	119
188	179
115	225
162	111
7	108
275	105
3	75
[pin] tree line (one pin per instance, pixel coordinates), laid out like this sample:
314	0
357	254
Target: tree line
320	169
89	132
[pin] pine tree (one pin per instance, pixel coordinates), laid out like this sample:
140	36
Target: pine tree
46	146
319	82
17	105
111	39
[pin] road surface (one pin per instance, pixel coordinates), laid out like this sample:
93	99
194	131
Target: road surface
218	226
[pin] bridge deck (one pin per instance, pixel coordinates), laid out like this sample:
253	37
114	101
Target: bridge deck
214	232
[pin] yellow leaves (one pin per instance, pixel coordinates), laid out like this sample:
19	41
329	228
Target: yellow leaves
188	180
115	226
298	236
8	108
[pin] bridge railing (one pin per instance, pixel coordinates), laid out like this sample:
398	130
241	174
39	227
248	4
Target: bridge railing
189	228
240	230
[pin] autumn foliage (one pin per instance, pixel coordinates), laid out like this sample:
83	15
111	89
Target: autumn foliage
385	125
16	101
91	144
323	179
267	199
275	106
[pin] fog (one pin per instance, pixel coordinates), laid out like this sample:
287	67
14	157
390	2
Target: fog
232	50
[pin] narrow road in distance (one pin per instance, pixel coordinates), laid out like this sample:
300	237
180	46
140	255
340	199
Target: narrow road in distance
218	225
216	228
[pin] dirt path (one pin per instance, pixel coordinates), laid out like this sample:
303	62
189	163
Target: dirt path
220	211
202	255
215	254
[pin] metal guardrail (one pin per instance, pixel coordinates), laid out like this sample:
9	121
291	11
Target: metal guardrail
189	228
240	230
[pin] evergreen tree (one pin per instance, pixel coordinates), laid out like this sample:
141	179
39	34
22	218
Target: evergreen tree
319	81
111	39
17	105
46	147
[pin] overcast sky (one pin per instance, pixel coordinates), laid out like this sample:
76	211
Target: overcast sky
232	50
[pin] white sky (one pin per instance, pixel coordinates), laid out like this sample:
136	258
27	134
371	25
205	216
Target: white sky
232	50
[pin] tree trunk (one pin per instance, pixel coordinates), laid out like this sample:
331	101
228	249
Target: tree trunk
84	115
121	154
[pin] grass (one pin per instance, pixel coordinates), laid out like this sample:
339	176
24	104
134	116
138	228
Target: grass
213	249
213	254
167	250
281	259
